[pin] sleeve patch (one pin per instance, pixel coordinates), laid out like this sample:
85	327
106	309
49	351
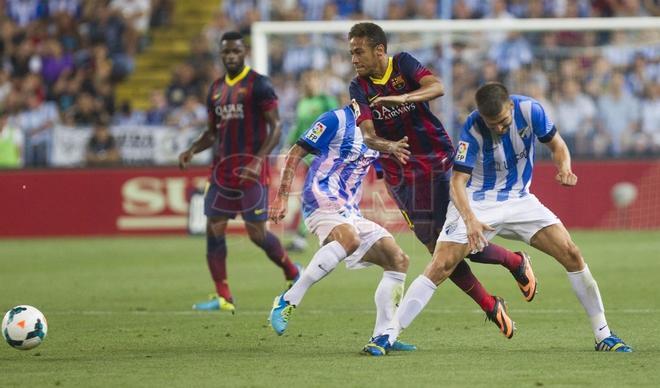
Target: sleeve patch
315	132
461	153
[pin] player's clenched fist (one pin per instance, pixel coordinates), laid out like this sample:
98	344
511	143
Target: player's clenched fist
184	158
566	178
278	209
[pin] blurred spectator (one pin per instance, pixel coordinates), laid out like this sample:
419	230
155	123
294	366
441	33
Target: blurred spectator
650	115
102	148
160	12
575	115
619	52
24	12
598	77
214	31
158	110
55	62
71	8
37	122
498	11
85	112
127	116
11	142
511	54
67	33
136	15
240	12
618	112
304	55
5	86
184	83
191	115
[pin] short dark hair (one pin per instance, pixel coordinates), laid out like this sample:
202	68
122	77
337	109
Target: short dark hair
231	35
491	98
372	31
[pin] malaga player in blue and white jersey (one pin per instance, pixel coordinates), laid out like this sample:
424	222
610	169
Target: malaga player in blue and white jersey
490	196
331	196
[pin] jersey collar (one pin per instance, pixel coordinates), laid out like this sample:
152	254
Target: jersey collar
386	76
238	78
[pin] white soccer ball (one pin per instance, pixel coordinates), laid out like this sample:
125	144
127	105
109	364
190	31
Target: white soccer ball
624	194
24	327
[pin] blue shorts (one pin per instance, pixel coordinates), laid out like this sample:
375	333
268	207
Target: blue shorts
225	202
424	205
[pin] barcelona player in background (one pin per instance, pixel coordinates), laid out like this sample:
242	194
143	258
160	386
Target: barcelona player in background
393	93
245	123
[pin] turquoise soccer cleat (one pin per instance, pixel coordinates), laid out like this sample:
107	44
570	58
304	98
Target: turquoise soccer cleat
400	346
378	346
279	315
215	302
613	344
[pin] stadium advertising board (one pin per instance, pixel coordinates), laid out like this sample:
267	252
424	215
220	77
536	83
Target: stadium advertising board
75	202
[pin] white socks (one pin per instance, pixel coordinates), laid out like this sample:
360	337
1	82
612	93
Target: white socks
586	290
387	297
323	262
417	297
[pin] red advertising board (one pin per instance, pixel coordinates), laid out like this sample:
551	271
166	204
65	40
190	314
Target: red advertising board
96	202
76	202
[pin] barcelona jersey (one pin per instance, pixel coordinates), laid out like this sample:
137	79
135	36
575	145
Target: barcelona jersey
430	145
235	107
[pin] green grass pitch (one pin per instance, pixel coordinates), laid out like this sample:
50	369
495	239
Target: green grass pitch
119	315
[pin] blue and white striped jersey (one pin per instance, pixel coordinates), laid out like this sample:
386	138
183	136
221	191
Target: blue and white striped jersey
334	179
501	166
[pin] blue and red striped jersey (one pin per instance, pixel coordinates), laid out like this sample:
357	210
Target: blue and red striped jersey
236	110
430	145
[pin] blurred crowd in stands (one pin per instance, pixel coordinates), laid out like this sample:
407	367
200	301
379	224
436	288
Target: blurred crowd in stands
61	59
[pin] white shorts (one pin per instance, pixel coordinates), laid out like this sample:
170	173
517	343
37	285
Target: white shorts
518	219
321	223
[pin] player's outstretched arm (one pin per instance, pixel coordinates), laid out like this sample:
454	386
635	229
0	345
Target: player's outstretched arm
398	149
477	241
204	141
430	88
562	159
278	208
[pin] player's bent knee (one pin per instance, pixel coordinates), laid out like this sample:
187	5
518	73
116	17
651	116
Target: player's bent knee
400	262
571	257
438	270
349	241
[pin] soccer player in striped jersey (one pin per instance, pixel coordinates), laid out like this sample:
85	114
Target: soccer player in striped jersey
393	93
244	120
331	197
490	196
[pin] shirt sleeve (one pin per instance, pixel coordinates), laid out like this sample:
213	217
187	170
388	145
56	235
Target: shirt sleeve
210	109
264	94
467	149
317	138
542	125
357	93
411	67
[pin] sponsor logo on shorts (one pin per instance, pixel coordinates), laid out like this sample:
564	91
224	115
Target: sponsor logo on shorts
461	154
315	133
451	228
259	211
